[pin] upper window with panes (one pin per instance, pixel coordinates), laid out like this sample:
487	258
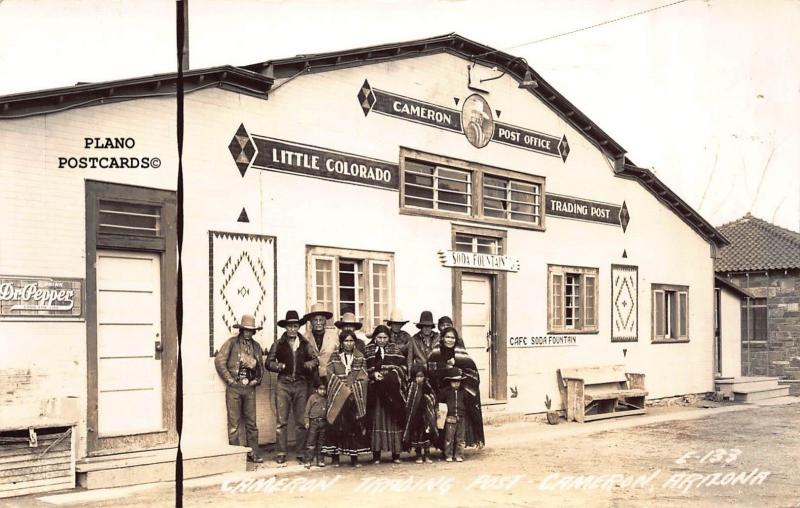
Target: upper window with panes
450	188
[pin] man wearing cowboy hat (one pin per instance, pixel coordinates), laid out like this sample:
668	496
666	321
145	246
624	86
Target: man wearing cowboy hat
296	362
421	344
398	335
323	339
349	322
238	363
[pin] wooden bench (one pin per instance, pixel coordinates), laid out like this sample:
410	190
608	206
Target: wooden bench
592	393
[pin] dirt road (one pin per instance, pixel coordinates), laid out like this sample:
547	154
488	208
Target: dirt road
744	458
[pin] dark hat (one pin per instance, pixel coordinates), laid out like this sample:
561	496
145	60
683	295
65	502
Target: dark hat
248	322
453	374
317	310
443	320
291	317
378	329
348	318
418	367
425	319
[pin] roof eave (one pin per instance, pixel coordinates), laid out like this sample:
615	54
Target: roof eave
59	99
453	44
664	194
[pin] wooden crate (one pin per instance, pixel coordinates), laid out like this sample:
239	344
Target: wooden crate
45	467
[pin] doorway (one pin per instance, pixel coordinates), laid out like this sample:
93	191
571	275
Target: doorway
131	332
478	328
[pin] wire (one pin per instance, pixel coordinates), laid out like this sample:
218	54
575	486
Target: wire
593	26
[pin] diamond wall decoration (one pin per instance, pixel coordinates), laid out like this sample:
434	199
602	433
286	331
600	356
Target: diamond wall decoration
242	149
624	303
242	281
366	97
624	216
563	148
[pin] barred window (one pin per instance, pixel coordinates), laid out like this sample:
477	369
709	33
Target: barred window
129	218
572	299
450	188
511	199
437	187
480	244
754	319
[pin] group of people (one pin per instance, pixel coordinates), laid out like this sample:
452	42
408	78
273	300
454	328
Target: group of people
352	393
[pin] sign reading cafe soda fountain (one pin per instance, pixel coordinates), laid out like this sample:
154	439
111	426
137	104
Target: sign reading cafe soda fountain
40	297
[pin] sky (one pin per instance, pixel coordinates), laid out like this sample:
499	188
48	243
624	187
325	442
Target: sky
706	93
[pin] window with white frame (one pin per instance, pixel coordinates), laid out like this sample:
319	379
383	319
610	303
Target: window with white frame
437	187
451	188
572	299
360	282
514	200
670	313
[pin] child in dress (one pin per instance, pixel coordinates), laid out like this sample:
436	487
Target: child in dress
420	428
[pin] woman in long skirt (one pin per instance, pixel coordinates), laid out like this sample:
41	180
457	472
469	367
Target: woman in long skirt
385	404
347	402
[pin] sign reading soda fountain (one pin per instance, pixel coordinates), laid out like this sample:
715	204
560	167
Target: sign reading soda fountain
40	297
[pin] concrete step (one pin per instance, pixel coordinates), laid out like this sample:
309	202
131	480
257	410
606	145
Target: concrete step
750	395
778	367
792	372
152	466
793	384
734	384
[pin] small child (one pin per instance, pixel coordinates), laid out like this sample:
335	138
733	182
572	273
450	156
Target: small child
420	429
315	423
455	396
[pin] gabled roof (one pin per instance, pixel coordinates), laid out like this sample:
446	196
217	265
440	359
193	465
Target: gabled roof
755	244
257	80
455	45
288	68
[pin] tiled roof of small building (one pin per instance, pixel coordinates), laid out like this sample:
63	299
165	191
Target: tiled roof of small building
757	245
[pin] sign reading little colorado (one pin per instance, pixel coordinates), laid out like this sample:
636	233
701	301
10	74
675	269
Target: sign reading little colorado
321	163
40	297
455	259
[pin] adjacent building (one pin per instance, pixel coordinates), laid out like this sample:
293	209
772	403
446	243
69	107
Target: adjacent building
764	260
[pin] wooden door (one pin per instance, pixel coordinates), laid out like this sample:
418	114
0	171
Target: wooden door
129	365
477	325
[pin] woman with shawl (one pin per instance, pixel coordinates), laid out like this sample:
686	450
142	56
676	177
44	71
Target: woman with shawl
347	402
420	431
385	397
449	353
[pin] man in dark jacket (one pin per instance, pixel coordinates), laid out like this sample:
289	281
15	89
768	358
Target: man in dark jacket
238	363
295	361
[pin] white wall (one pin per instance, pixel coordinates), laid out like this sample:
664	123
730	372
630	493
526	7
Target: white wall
731	333
42	233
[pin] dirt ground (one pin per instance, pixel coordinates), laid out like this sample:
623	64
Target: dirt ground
756	452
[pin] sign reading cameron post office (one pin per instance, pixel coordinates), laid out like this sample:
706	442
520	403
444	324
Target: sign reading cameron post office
40	297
